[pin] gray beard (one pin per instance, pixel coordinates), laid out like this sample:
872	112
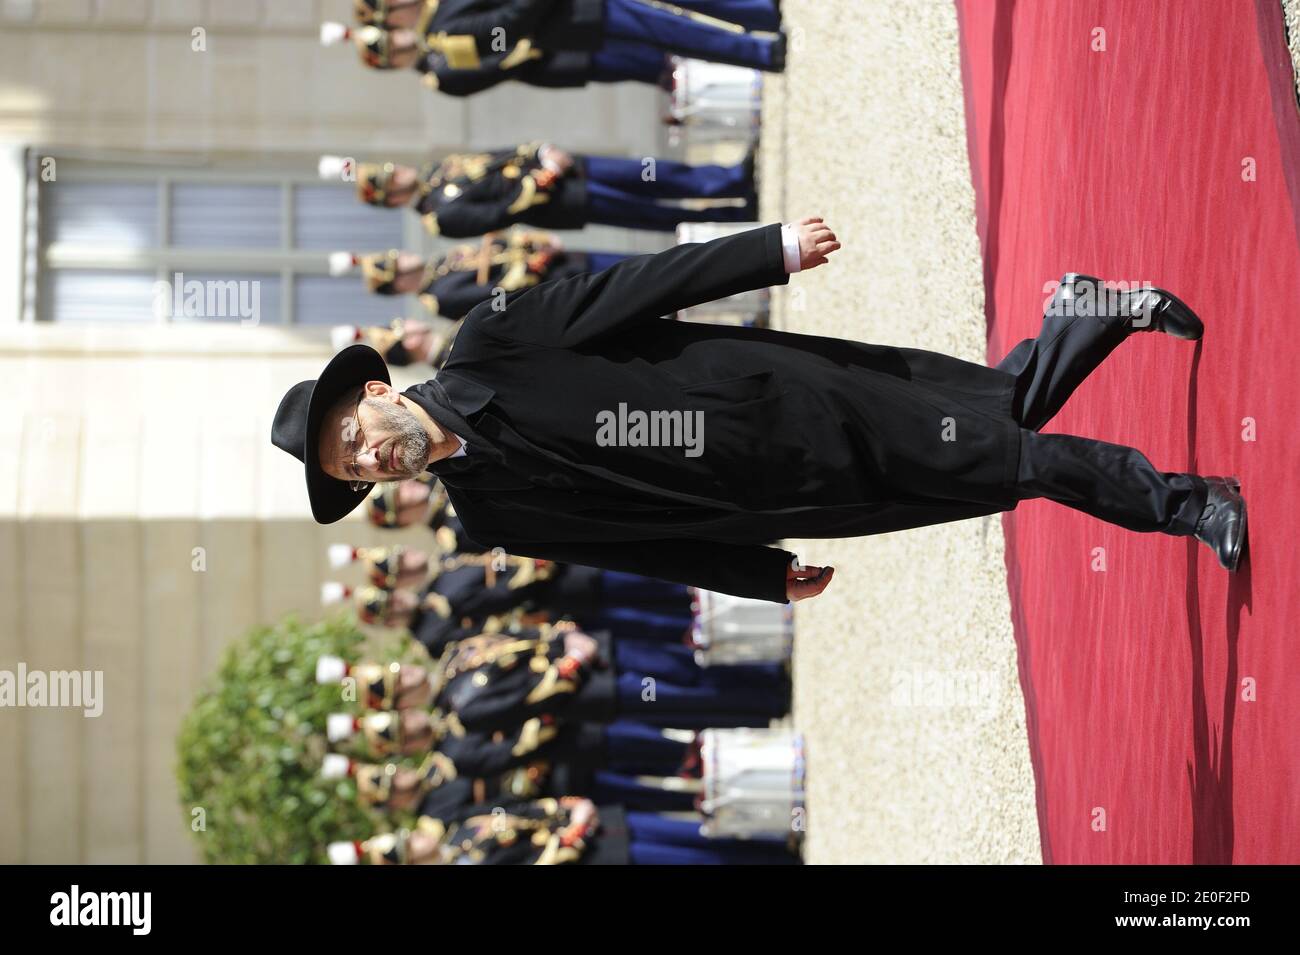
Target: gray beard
413	442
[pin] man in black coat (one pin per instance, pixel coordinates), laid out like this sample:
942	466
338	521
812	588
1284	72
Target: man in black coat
577	426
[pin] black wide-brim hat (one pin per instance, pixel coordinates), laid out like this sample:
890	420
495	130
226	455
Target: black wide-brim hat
298	419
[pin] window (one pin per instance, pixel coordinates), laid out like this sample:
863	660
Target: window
124	242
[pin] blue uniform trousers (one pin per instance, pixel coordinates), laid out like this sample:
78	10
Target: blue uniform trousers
627	192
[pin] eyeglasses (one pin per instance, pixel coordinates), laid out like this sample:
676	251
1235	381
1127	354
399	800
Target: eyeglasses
358	443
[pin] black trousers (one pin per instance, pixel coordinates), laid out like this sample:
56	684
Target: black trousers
1109	481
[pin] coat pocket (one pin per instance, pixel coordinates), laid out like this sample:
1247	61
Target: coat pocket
739	437
734	391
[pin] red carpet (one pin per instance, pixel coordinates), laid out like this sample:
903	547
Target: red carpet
1162	695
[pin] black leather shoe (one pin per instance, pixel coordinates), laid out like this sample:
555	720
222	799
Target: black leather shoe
1143	309
1222	524
779	46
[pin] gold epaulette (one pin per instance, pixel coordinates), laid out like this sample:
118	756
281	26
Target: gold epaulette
446	539
434	827
438	604
554	851
529	196
460	50
436	769
533	735
522	53
483	650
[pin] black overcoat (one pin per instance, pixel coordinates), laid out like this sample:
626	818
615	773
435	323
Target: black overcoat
802	436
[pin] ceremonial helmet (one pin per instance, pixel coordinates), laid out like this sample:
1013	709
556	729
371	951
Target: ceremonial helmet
371	602
375	12
374	780
381	732
385	339
379	270
389	340
387	848
385	503
382	564
374	180
378	681
381	505
374	44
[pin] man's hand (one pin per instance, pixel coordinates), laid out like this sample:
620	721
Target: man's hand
816	242
555	159
583	814
580	647
804	582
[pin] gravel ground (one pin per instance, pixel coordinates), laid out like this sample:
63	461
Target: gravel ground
905	669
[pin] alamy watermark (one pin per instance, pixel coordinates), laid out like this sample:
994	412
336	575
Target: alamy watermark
129	909
1089	298
211	298
651	429
976	690
53	688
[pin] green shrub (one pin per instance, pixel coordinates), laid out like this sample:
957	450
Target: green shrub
250	749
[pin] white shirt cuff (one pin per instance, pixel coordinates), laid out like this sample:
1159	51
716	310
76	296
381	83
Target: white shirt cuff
546	161
790	249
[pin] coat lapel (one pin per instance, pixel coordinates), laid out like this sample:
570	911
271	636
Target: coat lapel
451	399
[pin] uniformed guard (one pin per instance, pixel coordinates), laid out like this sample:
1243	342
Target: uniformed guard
420	500
380	686
404	341
386	567
447	529
640	767
374	605
571	592
496	680
637	765
553	832
630	763
390	786
624	745
464	46
478	584
537	832
539	184
485	715
451	284
381	734
469	587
